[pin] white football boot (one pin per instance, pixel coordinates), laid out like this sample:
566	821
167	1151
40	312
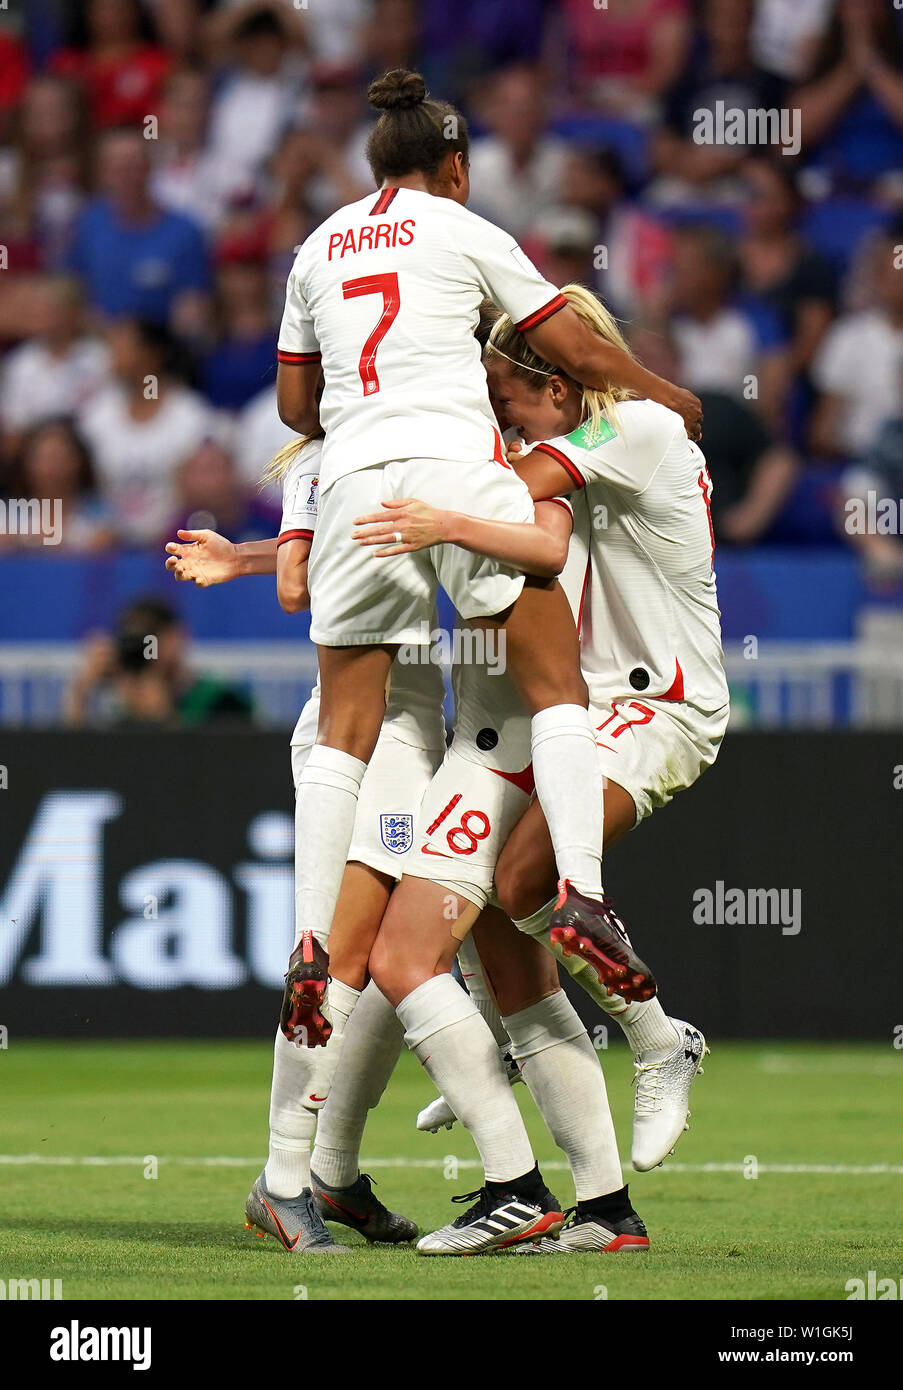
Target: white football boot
439	1112
495	1222
584	1233
662	1097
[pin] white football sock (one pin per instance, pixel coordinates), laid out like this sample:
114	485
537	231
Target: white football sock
569	787
302	1077
325	806
292	1125
562	1072
459	1054
341	1002
477	988
647	1027
373	1040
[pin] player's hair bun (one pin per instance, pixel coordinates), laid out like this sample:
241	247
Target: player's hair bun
398	90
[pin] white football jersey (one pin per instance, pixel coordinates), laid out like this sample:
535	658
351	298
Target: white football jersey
650	620
416	692
300	492
386	292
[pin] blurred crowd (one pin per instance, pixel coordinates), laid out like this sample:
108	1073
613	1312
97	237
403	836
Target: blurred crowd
161	159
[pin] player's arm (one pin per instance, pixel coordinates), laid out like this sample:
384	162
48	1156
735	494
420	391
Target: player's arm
206	558
291	573
544	476
565	340
299	374
298	394
539	548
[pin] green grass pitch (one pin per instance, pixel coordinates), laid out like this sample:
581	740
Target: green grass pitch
110	1232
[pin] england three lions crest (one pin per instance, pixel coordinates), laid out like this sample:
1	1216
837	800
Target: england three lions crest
397	832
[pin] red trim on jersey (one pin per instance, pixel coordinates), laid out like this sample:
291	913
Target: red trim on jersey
560	502
294	358
586	575
498	453
676	689
556	454
540	315
294	536
382	203
705	486
524	780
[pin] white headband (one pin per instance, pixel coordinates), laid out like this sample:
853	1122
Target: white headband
541	371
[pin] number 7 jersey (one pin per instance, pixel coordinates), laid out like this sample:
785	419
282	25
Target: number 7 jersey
386	293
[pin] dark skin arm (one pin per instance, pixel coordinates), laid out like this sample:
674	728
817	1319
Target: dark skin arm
567	342
297	395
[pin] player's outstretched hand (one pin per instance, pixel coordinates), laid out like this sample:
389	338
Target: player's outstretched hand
204	558
406	524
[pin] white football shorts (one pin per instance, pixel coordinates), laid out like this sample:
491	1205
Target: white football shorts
654	748
466	815
359	600
389	800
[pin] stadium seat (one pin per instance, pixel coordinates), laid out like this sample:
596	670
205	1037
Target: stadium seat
628	141
836	226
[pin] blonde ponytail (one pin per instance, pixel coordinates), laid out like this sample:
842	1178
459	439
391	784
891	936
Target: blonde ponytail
281	462
527	365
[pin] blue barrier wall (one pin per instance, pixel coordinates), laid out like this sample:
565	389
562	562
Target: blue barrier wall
777	594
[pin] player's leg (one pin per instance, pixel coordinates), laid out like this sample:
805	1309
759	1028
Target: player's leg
281	1201
543	659
562	1073
667	1052
373	1039
352	704
439	1114
410	962
360	613
366	1044
525	885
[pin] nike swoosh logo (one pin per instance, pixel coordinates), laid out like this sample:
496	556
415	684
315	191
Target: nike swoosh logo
313	1097
283	1234
356	1216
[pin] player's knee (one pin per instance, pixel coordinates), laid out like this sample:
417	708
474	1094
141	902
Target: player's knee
357	740
390	973
379	965
555	687
521	885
